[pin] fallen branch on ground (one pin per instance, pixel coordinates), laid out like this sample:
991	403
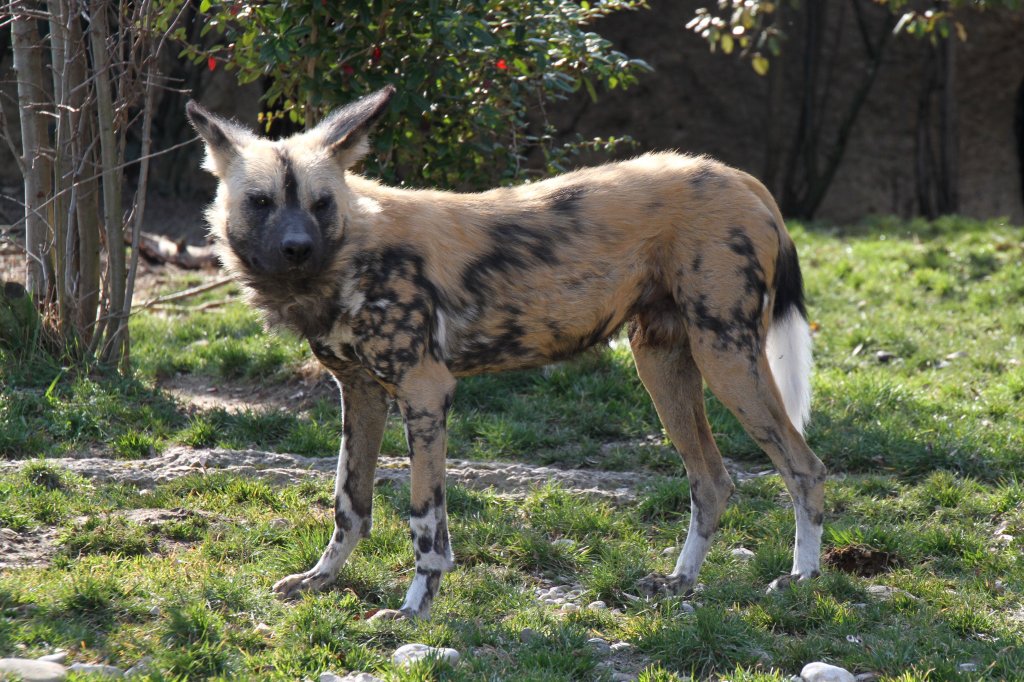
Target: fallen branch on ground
187	293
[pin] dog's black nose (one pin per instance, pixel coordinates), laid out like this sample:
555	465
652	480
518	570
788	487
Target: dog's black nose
296	248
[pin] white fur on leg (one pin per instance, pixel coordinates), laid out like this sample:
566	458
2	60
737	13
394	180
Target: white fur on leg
789	355
337	551
695	549
807	551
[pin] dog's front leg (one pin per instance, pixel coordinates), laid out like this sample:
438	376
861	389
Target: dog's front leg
424	397
364	415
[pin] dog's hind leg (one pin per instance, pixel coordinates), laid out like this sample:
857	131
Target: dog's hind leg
746	386
671	378
364	415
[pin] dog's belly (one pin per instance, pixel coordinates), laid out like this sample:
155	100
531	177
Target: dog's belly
530	334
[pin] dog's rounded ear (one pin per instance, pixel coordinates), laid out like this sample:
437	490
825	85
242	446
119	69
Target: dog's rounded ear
224	139
346	131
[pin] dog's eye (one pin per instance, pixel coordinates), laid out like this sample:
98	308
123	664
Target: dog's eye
261	201
322	204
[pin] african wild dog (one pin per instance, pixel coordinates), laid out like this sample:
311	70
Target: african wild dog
399	291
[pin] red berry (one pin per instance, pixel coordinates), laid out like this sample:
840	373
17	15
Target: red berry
501	64
347	69
211	63
376	54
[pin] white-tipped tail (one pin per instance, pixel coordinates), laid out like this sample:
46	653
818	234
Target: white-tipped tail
789	354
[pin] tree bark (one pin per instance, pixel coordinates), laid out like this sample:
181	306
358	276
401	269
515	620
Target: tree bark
110	181
36	157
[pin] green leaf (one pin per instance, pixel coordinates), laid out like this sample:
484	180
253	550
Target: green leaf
760	64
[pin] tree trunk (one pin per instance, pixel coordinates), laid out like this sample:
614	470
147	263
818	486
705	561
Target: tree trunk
949	170
87	209
110	181
36	157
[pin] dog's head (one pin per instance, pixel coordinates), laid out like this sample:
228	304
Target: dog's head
281	205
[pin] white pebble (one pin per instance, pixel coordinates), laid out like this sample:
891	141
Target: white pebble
563	542
669	551
968	667
410	653
686	607
622	646
96	669
570	607
742	554
32	671
58	656
823	672
599	645
597	605
142	667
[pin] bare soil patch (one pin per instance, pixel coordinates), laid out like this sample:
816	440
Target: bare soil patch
298	394
862	561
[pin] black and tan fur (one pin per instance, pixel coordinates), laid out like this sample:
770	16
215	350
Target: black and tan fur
399	292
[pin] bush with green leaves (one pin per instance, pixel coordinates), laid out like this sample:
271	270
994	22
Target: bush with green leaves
474	79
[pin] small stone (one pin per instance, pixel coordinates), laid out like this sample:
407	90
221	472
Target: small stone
264	629
570	607
1005	539
527	635
885	591
408	654
351	677
597	606
29	670
621	646
686	607
742	554
155	611
58	656
278	524
968	667
563	542
558	589
600	646
142	667
823	672
669	551
8	534
884	356
95	669
387	614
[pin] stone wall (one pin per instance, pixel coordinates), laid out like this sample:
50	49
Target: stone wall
699	102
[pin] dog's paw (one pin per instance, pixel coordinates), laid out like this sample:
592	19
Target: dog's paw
784	581
389	614
657	584
294	585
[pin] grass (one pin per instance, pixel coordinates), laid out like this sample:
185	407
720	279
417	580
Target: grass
919	410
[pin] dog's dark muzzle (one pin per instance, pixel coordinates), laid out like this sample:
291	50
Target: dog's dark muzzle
294	244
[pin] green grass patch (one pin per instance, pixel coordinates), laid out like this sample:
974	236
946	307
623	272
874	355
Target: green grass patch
196	608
